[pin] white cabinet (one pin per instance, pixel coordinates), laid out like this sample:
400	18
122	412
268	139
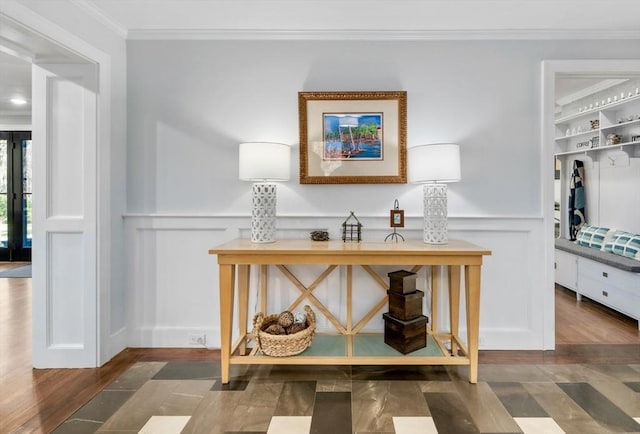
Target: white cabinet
605	284
566	269
615	288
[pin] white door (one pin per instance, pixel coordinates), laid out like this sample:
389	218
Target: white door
64	216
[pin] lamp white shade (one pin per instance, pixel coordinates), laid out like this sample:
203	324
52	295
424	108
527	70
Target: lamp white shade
438	162
264	161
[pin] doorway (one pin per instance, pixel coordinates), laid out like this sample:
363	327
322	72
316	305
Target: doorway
70	176
551	72
15	196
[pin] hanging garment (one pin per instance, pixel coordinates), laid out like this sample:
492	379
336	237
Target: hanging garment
576	199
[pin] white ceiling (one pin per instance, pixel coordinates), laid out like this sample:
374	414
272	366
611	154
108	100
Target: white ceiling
324	19
139	19
15	82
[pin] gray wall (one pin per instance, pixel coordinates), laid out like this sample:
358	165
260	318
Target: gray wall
191	102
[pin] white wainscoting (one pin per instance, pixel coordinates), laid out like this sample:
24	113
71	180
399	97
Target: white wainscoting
172	281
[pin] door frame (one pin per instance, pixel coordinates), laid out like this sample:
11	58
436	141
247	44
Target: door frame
550	68
49	32
65	234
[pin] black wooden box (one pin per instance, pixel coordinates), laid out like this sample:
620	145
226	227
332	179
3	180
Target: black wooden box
405	336
405	306
402	281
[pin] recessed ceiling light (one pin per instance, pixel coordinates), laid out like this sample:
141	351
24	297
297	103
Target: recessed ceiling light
18	101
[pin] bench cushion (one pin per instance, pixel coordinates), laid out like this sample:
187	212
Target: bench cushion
608	258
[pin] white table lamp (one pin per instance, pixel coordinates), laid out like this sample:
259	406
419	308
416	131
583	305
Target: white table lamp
263	163
434	166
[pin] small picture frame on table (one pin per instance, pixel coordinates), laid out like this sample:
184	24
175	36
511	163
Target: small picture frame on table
396	218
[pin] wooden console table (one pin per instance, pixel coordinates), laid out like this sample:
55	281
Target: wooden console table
458	256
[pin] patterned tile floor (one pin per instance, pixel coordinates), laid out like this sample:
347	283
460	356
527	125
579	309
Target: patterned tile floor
187	397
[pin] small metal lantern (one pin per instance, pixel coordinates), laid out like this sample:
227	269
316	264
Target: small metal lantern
352	229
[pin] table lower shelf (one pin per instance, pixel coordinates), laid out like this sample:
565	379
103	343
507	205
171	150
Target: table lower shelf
364	349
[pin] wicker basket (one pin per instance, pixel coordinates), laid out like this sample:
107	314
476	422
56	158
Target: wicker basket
282	345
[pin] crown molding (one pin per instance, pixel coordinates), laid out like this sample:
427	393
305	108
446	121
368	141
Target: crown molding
95	12
377	34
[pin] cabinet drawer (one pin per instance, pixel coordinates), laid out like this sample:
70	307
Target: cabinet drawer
622	300
610	275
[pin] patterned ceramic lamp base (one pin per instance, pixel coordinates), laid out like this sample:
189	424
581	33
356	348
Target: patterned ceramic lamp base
263	215
435	214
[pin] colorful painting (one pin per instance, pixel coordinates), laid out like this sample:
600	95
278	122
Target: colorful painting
352	136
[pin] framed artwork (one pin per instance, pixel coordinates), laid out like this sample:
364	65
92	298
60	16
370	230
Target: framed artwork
396	219
353	137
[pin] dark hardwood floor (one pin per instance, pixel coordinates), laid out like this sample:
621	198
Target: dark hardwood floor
38	400
588	322
586	332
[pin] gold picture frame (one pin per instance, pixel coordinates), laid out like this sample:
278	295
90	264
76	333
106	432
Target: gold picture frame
353	137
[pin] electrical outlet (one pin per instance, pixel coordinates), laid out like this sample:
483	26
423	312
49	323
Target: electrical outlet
197	339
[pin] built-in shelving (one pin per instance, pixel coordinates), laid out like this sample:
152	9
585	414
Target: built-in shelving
621	124
628	148
597	110
580	134
590	129
577	116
